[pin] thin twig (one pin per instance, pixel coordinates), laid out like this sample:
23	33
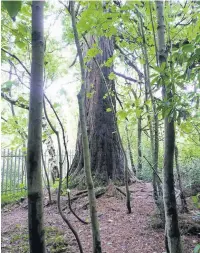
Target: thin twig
60	183
152	167
67	155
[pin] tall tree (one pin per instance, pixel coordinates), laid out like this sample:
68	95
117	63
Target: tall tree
35	203
173	239
86	149
106	154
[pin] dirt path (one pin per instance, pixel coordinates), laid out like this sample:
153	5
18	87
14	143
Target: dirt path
120	232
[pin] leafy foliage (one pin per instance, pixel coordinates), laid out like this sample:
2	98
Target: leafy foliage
12	7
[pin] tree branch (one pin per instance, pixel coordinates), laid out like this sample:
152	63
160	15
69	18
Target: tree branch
4	119
130	63
125	77
60	182
14	56
14	102
153	169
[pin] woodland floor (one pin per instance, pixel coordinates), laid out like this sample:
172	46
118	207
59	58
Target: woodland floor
120	232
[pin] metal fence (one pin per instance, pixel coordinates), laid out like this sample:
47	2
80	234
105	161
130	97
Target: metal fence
13	170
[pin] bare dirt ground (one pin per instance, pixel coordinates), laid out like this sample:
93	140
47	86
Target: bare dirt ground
120	232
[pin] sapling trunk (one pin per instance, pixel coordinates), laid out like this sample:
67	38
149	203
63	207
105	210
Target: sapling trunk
47	178
60	181
139	146
34	179
184	208
173	238
153	125
130	150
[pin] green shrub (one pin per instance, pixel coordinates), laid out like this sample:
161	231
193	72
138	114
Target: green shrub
12	197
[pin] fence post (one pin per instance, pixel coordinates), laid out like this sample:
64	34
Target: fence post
7	168
22	170
2	169
11	170
18	177
15	170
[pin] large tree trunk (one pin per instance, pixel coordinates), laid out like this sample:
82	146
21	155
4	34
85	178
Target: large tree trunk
106	155
35	204
173	238
85	143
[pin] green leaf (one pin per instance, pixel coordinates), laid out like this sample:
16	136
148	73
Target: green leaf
155	80
197	39
122	115
5	87
197	51
89	94
158	69
166	112
109	62
21	44
197	248
195	199
56	105
112	76
12	7
92	52
188	48
108	110
138	112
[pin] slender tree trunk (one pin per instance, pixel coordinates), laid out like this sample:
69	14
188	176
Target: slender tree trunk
60	181
34	179
51	150
184	208
47	178
85	142
130	151
173	237
139	147
153	123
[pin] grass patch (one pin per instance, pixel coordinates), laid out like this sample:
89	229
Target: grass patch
12	197
18	240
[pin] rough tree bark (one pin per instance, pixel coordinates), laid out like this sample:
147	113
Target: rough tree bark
85	142
173	238
35	203
106	154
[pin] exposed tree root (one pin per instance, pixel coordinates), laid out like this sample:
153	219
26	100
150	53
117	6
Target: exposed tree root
110	191
121	191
